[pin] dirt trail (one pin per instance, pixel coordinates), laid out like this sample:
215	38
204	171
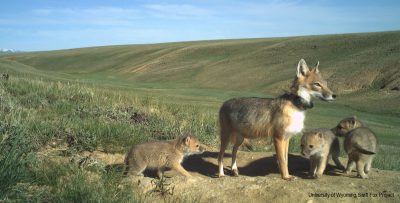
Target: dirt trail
259	181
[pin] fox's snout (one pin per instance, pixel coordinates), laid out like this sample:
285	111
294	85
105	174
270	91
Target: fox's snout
327	95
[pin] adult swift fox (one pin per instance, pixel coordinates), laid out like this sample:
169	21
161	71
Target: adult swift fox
281	117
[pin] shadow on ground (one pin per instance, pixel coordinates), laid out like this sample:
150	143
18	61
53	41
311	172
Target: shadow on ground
249	164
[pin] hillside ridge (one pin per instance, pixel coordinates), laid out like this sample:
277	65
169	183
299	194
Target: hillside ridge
351	62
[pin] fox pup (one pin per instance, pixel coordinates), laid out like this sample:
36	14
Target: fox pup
361	146
319	145
345	125
279	118
162	155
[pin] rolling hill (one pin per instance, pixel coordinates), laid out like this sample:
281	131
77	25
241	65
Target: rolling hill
363	68
350	61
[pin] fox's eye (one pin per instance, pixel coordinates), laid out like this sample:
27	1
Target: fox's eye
311	146
317	84
197	145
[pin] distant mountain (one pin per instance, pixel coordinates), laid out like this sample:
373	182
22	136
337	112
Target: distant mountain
8	51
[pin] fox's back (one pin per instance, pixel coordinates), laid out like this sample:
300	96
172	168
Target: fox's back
254	117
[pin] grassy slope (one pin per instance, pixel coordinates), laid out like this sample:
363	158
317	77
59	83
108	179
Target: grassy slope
256	66
263	62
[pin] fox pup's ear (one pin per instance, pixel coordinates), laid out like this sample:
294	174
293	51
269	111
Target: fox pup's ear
186	140
302	68
353	121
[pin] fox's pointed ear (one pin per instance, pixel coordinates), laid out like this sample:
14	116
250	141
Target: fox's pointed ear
353	121
186	140
316	67
320	135
302	68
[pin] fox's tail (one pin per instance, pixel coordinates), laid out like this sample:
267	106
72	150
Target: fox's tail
247	145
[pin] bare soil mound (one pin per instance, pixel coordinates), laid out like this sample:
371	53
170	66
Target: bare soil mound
259	181
390	79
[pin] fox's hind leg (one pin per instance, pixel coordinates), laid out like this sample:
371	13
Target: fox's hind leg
224	144
134	167
367	167
238	141
360	169
134	170
350	165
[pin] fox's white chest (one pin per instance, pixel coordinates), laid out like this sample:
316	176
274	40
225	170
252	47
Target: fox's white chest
296	122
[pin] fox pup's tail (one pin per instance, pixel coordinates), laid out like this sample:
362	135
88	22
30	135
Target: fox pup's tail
361	150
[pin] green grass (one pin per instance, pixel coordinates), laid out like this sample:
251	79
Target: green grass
88	98
34	112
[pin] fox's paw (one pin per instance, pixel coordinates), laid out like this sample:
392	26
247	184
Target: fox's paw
289	178
235	172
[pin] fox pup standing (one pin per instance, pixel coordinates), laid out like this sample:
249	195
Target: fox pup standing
280	118
319	145
162	155
361	146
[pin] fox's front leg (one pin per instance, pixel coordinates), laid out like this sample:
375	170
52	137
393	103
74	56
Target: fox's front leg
281	148
181	170
313	167
321	166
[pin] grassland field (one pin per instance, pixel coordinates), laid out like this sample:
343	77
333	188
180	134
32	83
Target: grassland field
108	98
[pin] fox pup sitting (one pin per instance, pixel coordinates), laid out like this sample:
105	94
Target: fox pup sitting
319	145
162	155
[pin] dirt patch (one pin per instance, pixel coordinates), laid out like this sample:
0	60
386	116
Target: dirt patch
259	181
390	79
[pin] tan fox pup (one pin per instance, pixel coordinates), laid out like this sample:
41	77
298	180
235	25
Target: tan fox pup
345	125
361	146
319	145
281	117
162	155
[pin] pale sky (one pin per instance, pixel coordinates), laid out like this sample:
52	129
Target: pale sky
31	25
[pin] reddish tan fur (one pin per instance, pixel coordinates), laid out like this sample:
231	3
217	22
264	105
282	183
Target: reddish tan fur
319	145
162	155
280	118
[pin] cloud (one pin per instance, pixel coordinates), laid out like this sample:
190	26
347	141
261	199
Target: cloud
88	16
120	16
178	11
